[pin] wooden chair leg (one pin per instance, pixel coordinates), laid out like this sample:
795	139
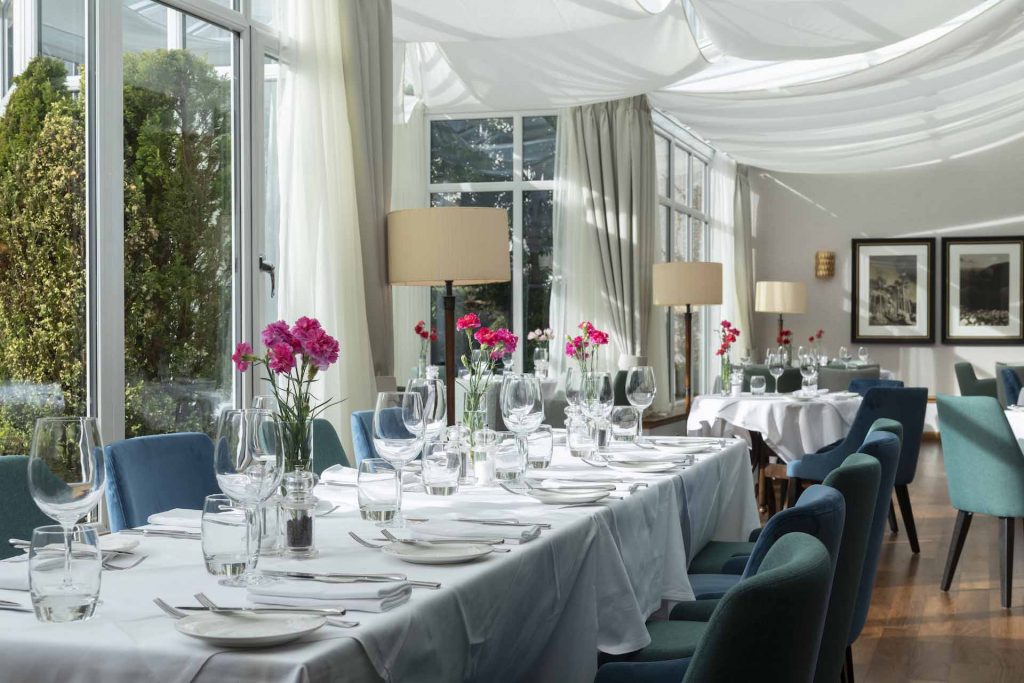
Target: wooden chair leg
1006	527
956	546
793	494
848	667
892	519
903	498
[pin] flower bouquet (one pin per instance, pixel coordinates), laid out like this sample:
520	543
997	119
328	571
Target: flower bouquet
426	336
583	347
727	335
480	364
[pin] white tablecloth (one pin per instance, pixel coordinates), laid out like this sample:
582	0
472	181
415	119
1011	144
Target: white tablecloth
538	613
790	428
1016	420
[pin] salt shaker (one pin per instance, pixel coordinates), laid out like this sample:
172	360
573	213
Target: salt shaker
298	508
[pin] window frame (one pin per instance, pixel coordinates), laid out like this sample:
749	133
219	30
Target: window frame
517	186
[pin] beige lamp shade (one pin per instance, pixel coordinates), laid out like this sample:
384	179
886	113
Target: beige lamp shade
687	282
780	297
467	245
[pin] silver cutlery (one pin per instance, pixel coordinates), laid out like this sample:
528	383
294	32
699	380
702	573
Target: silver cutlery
10	606
327	512
363	542
163	533
171	611
446	541
350	578
576	488
513	491
598	503
503	522
210	605
108	562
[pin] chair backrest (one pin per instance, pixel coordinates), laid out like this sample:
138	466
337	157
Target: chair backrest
619	387
984	467
20	513
362	435
790	592
857	480
327	448
1011	386
861	385
820	512
883	446
1005	400
492	404
969	383
838	379
790	380
904	405
150	474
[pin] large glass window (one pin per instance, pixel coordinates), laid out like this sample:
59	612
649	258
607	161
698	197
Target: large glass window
508	162
682	176
6	45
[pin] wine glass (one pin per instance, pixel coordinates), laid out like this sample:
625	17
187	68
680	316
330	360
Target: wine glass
808	369
776	367
432	396
598	395
249	464
844	356
640	391
541	362
862	354
66	476
399	430
574	387
522	408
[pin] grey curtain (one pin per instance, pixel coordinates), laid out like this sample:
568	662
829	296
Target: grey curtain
367	61
743	265
614	147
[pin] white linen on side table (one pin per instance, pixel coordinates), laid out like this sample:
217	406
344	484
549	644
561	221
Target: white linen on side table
790	428
537	613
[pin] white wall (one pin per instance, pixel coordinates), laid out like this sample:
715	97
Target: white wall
796	215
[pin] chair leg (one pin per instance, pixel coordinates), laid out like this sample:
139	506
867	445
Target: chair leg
956	546
848	666
892	518
793	494
903	498
1006	526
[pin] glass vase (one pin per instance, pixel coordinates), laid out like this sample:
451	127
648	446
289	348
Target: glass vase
298	445
726	374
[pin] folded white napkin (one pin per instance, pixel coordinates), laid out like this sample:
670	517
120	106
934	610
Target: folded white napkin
178	517
577	475
14	574
512	535
565	484
358	597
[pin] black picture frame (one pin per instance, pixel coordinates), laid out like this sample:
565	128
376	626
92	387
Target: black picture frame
862	331
988	291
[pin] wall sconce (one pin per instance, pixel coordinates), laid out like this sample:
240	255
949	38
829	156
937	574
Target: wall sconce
825	264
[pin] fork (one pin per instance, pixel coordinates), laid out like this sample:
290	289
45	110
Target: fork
171	611
441	541
109	566
212	606
362	541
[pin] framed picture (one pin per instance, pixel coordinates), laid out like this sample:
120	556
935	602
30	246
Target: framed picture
982	290
893	291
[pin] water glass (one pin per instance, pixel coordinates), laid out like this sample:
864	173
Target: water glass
541	362
399	430
379	486
845	356
757	385
540	444
509	460
625	423
64	566
226	547
581	436
442	464
573	386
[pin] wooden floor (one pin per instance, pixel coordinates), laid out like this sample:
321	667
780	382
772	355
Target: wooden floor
915	632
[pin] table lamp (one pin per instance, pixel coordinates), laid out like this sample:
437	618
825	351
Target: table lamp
780	297
449	246
687	283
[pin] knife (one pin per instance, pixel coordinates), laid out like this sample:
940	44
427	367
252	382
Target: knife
350	578
502	522
327	612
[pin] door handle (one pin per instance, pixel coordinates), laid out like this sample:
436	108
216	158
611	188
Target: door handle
271	270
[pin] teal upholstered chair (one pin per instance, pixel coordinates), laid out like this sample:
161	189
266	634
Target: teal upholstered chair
1005	400
1010	382
327	448
969	383
19	514
362	435
861	386
985	475
789	592
789	382
839	378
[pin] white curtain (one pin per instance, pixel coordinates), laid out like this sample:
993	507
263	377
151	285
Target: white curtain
321	262
730	244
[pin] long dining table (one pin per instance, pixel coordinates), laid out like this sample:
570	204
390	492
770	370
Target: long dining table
540	612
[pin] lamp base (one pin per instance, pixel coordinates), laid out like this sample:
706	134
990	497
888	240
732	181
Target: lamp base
449	350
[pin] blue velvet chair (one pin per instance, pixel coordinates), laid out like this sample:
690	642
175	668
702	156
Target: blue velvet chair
327	448
861	385
362	431
985	475
904	405
150	474
20	513
1011	385
766	628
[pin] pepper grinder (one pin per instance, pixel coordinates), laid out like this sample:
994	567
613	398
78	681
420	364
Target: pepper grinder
298	507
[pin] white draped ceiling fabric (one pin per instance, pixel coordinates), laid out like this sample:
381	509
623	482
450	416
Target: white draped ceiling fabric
813	86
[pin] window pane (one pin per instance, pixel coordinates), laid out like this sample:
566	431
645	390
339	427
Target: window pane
42	253
6	46
539	147
178	229
680	234
493	303
661	245
145	26
62	30
698	230
265	11
470	150
538	221
680	163
661	152
271	189
679	352
697	184
209	42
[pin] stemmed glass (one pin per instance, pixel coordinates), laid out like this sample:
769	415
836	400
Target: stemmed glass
66	476
541	362
522	408
844	356
862	354
249	463
573	387
399	431
598	396
640	391
808	369
776	368
432	396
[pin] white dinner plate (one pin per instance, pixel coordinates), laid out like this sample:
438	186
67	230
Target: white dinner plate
644	466
846	394
567	497
439	553
248	630
800	399
691	449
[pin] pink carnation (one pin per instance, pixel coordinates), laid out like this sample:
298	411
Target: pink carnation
508	340
570	349
322	349
484	336
304	328
278	333
468	321
242	356
282	358
598	337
